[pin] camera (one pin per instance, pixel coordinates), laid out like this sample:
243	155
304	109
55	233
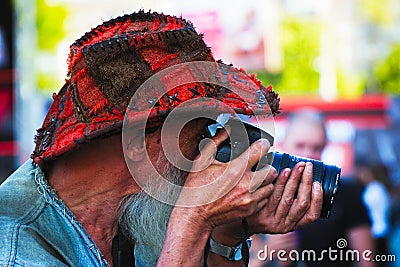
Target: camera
243	134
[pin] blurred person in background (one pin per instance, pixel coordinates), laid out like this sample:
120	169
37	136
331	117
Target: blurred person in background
376	197
306	137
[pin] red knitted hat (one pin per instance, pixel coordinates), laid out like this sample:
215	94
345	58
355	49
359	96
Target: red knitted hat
108	64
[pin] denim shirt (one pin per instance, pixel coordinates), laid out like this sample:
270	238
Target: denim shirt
37	229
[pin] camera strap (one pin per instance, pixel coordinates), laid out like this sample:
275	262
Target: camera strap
245	247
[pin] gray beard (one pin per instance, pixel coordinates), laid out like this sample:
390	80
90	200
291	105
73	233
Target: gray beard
143	219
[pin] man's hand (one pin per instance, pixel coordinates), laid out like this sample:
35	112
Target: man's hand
295	201
240	193
234	191
270	207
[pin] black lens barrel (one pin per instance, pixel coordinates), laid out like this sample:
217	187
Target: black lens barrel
327	175
244	134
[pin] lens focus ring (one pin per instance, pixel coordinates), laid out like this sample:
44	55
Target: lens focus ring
318	171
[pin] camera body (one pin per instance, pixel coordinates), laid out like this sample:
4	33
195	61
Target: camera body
243	134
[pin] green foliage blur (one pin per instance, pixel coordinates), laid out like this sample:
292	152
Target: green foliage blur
301	48
50	24
300	44
50	20
387	72
376	12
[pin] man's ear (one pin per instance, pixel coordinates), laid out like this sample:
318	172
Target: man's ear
136	148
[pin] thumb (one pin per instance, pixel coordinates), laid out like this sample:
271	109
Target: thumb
208	148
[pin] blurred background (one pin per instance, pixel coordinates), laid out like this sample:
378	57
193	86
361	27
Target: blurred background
339	56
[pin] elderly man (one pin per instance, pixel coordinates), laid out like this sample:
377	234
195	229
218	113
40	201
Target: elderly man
81	200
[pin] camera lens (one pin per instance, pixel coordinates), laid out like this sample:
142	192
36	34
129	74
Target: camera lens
244	134
327	175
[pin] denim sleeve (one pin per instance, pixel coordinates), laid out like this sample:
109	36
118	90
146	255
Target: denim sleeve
37	229
23	246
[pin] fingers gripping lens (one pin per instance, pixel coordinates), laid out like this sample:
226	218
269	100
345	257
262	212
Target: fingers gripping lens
327	175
